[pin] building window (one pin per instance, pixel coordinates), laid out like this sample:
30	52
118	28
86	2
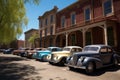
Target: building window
88	38
39	23
87	14
107	7
51	42
40	34
73	19
51	19
51	30
46	32
73	39
63	21
46	21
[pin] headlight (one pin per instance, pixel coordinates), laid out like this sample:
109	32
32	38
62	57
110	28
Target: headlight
82	58
30	53
34	53
56	58
49	57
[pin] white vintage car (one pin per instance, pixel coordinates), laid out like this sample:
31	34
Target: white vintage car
60	57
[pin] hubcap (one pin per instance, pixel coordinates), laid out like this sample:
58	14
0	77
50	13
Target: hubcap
116	62
90	68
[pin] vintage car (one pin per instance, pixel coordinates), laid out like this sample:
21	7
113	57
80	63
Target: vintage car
8	51
31	52
61	56
42	55
2	50
18	51
93	57
24	52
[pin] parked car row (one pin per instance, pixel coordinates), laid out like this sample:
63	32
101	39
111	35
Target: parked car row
7	51
26	52
61	56
89	58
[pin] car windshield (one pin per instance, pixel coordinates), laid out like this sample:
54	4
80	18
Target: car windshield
66	49
54	49
91	49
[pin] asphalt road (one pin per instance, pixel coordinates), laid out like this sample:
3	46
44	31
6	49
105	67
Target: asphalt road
13	67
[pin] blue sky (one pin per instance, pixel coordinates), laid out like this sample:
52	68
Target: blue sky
34	11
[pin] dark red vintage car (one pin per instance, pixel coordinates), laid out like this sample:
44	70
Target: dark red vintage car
29	53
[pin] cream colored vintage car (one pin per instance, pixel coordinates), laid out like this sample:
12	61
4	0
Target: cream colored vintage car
61	56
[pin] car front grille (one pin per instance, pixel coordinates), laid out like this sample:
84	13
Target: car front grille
75	59
52	56
38	54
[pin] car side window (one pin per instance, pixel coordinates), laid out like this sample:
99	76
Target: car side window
54	49
103	50
78	50
73	50
110	50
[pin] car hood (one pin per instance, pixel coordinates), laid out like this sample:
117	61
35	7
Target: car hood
86	53
18	50
60	52
31	51
44	52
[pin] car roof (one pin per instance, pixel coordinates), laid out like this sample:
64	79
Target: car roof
73	47
98	45
53	47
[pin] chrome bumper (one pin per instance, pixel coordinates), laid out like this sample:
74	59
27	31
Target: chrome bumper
75	66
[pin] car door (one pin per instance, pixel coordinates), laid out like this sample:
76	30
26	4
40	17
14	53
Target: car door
105	55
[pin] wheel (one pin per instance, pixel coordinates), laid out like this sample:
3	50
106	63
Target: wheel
90	68
62	62
71	68
44	58
51	63
115	62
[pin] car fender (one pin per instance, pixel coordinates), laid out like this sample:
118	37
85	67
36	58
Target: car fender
42	55
97	62
117	57
61	58
68	59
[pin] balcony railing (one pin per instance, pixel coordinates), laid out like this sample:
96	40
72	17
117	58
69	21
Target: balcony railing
81	24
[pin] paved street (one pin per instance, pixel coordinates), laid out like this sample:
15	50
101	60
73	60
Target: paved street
13	67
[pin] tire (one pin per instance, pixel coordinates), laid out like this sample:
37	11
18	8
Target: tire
62	62
44	58
116	62
90	68
71	68
51	63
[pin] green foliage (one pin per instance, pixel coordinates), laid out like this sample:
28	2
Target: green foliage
12	19
32	38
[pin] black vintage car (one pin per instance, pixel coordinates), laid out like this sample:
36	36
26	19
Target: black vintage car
8	51
93	57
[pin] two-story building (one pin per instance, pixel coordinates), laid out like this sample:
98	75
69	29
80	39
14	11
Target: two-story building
47	24
28	34
89	22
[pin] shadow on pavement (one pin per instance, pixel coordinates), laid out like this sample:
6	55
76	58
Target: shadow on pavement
15	71
99	72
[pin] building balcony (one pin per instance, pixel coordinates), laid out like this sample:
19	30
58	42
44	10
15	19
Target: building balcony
83	23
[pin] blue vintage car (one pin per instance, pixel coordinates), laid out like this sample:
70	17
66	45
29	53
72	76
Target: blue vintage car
42	55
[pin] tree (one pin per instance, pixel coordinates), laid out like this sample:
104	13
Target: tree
32	39
13	19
